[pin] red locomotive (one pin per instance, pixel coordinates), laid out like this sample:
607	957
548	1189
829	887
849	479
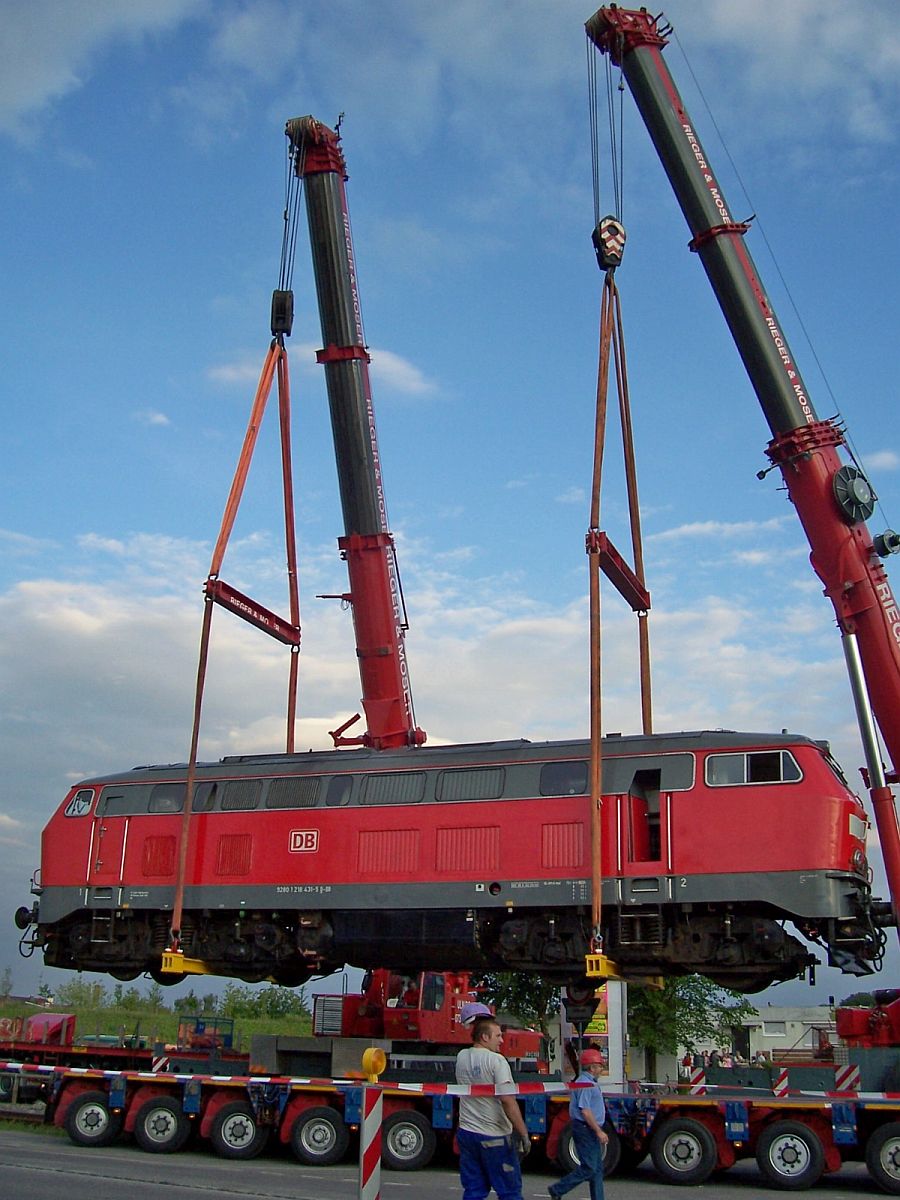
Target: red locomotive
469	856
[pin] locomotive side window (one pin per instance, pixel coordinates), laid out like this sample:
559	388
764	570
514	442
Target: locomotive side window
80	804
757	766
479	783
204	796
567	778
241	794
339	789
394	787
295	791
123	801
167	798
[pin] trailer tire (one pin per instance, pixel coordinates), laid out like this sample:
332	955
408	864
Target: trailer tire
160	1126
408	1142
319	1136
883	1157
89	1122
236	1133
790	1155
684	1151
567	1155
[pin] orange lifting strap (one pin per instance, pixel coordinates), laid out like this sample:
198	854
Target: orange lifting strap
218	592
603	556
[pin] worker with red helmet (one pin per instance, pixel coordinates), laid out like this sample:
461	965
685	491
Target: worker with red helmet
587	1112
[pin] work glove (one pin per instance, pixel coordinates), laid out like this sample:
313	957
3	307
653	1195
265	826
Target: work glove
521	1145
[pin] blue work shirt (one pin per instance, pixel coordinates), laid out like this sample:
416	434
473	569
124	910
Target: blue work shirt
587	1098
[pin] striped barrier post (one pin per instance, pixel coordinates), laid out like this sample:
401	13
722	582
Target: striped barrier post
780	1086
698	1081
370	1145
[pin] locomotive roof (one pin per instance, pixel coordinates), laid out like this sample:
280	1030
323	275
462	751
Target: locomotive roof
470	753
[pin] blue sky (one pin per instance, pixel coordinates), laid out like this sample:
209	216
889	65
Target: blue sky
142	178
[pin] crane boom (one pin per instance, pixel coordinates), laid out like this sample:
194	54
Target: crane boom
833	500
367	545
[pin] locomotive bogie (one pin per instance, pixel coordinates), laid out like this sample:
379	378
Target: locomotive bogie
469	857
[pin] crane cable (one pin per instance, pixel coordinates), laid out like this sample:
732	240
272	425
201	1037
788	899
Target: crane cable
612	346
275	366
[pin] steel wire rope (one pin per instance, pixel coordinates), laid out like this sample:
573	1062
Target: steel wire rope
757	222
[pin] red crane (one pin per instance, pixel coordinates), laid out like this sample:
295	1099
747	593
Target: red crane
375	595
833	499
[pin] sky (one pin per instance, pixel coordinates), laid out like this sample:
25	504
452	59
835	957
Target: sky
142	174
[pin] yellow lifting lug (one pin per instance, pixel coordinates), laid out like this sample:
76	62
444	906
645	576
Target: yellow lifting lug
175	963
598	966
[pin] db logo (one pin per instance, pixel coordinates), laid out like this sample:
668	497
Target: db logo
304	840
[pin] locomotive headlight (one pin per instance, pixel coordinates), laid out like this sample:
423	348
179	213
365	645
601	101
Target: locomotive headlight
858	862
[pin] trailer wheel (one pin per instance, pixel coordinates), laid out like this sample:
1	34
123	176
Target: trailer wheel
407	1141
883	1157
567	1155
160	1126
684	1151
319	1136
90	1123
790	1155
235	1132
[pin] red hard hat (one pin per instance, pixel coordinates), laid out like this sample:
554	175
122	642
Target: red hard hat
588	1057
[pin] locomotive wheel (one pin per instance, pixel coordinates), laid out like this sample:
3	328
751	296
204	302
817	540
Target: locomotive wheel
319	1136
90	1123
235	1132
567	1155
160	1126
790	1155
883	1157
407	1141
684	1151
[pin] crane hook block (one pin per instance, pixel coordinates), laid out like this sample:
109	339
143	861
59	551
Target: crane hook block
609	242
282	313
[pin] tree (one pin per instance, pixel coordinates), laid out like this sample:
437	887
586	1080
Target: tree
78	993
858	1000
530	998
688	1009
6	981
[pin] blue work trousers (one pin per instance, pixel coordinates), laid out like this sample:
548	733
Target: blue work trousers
591	1154
488	1160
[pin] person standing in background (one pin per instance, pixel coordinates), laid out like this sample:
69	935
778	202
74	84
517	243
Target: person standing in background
492	1135
587	1112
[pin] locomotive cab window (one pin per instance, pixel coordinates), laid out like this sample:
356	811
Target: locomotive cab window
567	778
204	796
81	802
123	801
756	766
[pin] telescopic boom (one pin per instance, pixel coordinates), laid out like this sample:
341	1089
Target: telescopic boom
367	546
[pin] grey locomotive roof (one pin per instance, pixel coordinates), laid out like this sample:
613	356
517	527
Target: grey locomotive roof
331	762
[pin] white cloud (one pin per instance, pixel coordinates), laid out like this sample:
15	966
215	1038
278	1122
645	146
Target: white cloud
706	530
572	495
399	374
151	417
49	48
882	460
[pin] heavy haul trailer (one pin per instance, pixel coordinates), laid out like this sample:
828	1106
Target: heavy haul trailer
795	1139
